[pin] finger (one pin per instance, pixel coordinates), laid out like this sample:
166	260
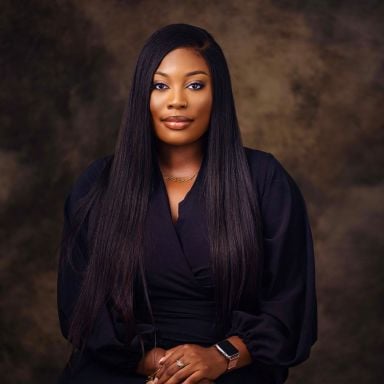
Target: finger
170	367
171	360
181	374
168	353
195	378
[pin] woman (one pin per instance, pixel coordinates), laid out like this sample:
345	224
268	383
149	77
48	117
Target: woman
186	258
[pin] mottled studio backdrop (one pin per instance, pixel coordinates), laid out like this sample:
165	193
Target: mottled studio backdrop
308	78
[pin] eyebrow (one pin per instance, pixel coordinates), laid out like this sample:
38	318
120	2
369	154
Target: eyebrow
187	74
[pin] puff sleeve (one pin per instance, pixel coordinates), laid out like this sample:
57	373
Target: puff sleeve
107	341
284	327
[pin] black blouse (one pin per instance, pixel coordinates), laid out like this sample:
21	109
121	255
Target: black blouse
278	335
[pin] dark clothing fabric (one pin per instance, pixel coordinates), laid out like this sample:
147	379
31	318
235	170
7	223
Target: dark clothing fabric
278	335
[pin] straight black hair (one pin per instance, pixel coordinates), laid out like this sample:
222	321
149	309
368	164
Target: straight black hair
117	204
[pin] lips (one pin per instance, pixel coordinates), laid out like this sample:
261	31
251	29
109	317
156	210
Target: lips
177	122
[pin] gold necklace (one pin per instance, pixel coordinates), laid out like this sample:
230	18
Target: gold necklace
179	179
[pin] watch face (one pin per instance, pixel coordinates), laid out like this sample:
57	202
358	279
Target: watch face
228	348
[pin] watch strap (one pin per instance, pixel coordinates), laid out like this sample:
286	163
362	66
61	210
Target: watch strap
230	352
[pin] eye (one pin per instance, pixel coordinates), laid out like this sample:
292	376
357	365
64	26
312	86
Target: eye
159	86
196	86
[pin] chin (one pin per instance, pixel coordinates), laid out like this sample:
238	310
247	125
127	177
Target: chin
180	141
178	138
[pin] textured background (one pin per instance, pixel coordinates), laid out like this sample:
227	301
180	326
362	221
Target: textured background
309	85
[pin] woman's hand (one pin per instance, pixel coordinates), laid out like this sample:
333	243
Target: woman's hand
191	364
149	363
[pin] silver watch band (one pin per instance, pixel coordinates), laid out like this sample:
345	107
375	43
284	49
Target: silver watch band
232	358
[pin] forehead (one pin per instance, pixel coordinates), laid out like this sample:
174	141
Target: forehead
182	60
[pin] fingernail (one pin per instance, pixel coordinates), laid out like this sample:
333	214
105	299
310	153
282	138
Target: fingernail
161	361
156	380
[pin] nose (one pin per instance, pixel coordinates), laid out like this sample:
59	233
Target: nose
177	100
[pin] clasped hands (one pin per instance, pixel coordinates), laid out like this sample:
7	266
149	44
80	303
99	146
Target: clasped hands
184	364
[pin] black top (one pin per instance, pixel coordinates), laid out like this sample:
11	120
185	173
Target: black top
279	335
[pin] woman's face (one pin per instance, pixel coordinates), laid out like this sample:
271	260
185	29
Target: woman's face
181	98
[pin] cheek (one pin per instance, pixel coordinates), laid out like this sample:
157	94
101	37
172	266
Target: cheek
155	104
205	106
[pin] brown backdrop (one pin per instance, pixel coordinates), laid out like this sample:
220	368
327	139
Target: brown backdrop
308	78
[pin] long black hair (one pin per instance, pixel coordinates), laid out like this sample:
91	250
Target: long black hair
117	204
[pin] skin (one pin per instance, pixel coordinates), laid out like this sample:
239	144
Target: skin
177	92
182	86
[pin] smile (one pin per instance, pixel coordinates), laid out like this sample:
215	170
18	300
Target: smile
177	122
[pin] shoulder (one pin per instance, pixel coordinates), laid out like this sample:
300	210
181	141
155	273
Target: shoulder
262	161
265	169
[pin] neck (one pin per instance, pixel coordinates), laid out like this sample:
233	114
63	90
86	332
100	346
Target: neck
182	160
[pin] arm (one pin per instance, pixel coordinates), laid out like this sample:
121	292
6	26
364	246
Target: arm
108	343
281	331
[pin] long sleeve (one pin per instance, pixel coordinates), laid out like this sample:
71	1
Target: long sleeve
107	341
284	327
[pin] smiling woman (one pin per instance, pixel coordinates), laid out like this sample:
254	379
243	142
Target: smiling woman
180	104
186	257
181	98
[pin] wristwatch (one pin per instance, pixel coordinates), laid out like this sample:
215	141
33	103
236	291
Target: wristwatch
229	351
